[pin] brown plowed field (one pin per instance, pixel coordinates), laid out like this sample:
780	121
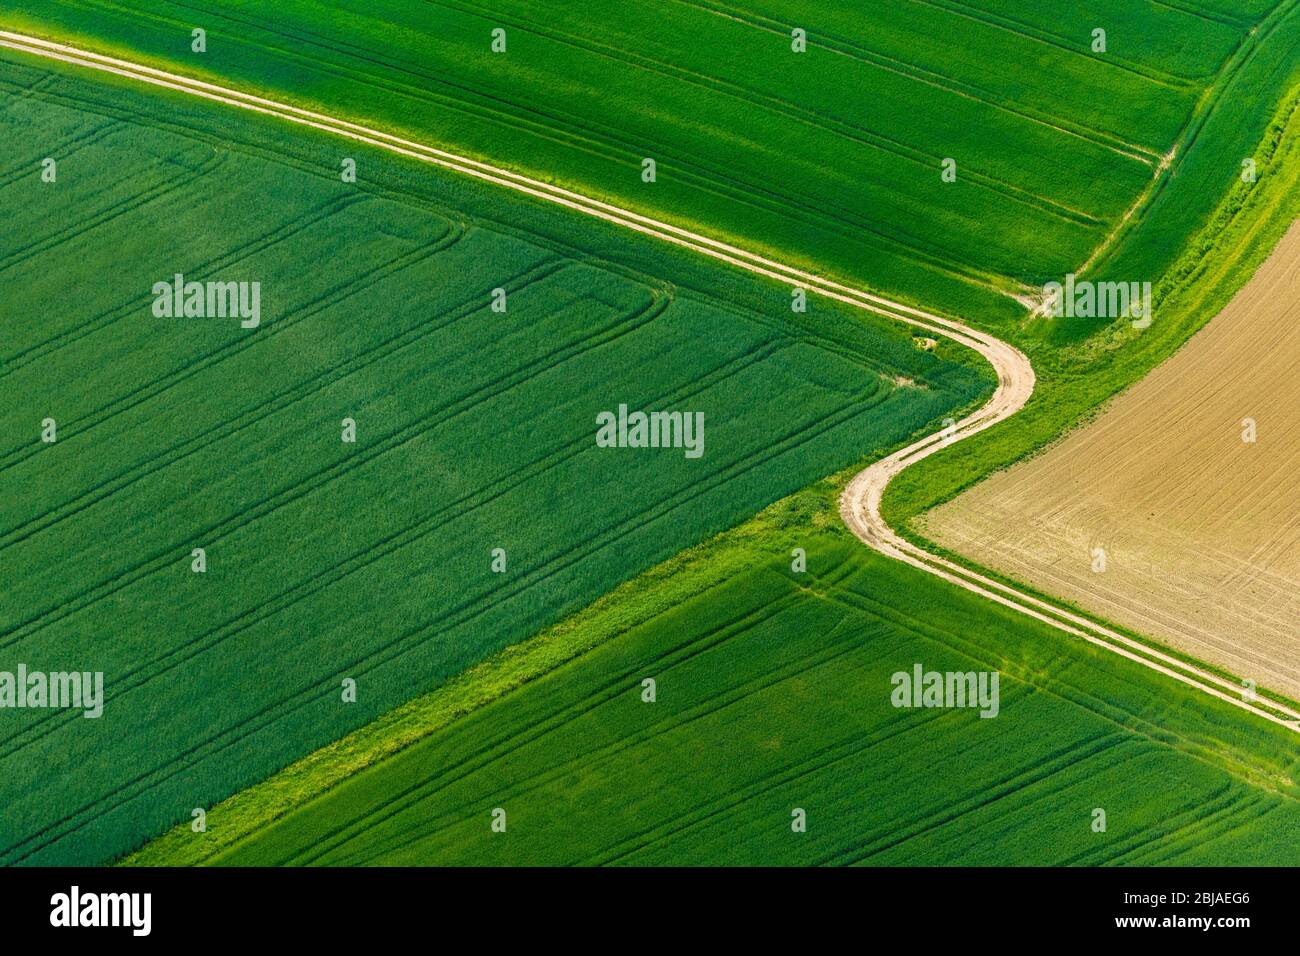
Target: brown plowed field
1200	528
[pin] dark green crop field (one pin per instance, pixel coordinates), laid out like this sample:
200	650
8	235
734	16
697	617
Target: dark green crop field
328	560
832	156
773	693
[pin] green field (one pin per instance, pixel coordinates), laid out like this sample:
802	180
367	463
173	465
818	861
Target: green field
773	692
830	157
328	560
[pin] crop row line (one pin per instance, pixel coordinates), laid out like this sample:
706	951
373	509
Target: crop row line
227	427
39	350
855	50
1070	45
511	741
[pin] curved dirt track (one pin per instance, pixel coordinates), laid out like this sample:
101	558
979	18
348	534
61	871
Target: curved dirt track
860	502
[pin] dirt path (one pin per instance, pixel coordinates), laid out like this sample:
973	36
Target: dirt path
860	502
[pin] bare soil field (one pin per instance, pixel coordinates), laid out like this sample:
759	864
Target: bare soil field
1177	512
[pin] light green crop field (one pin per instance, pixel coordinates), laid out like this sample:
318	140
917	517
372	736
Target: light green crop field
832	157
328	560
773	693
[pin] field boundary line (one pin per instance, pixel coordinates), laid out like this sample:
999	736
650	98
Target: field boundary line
860	501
